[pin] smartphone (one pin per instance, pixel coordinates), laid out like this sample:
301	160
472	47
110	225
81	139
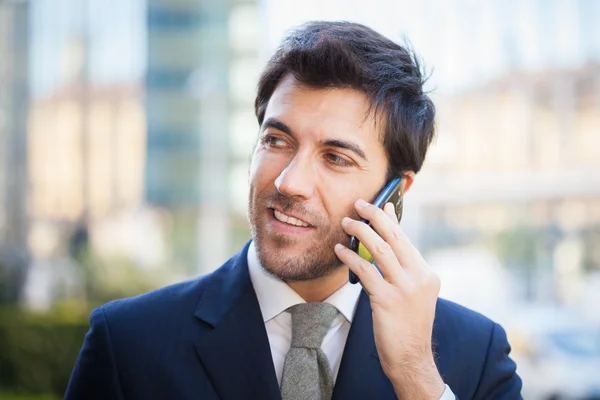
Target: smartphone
391	193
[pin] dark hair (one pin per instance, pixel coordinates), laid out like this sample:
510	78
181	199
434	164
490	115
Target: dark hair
349	55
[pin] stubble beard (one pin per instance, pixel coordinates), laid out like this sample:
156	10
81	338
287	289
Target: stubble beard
317	261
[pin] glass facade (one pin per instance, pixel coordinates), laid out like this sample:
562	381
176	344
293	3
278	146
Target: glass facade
187	108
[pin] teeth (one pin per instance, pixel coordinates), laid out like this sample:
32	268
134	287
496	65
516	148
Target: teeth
280	216
288	220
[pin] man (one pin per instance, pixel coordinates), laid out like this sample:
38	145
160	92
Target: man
341	110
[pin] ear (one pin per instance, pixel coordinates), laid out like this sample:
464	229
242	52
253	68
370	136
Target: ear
407	180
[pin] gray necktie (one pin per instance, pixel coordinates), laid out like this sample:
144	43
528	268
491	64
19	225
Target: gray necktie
306	373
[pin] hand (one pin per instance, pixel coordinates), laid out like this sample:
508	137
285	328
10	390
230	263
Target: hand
403	301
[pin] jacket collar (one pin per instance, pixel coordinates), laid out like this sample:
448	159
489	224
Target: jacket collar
232	343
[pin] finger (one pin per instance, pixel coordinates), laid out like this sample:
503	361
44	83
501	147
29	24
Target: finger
378	218
389	230
370	279
390	210
382	252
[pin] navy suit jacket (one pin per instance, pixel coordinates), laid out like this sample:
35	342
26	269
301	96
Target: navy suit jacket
206	339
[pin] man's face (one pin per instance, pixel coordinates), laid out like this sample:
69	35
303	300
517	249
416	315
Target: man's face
318	152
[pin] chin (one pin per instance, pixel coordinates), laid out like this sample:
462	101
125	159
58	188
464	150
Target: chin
296	261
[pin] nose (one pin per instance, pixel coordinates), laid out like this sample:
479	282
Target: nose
297	179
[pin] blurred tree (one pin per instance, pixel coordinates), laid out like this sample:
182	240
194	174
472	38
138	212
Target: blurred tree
38	351
108	278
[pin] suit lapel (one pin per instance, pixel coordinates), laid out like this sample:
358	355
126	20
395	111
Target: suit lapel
232	343
360	375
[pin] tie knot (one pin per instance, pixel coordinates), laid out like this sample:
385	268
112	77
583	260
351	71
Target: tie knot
310	322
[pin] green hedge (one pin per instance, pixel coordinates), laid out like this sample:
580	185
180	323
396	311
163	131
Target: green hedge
38	351
22	396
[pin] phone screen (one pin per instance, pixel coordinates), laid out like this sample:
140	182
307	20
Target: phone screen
391	193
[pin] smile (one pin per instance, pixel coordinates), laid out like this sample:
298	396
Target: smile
281	217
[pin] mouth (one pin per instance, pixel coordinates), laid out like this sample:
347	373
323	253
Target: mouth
289	220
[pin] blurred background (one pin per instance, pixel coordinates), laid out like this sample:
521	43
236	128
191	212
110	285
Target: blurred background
126	129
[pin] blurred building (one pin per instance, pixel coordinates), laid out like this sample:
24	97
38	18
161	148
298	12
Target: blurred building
97	175
14	97
516	166
201	56
526	136
245	43
112	111
519	157
86	146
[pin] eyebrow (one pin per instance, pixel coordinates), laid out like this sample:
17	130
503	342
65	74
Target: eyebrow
275	123
346	145
342	144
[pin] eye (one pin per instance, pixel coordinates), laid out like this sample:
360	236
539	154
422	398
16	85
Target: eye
334	159
273	141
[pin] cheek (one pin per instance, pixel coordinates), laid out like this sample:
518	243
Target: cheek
340	195
339	198
264	169
254	167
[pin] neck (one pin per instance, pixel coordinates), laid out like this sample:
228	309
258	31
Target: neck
316	290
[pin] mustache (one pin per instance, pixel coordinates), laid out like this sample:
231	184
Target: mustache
292	205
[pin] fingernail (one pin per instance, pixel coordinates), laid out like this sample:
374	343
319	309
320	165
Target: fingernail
346	220
338	246
361	203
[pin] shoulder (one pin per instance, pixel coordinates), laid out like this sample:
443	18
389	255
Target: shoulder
173	304
468	344
453	316
158	308
158	302
464	331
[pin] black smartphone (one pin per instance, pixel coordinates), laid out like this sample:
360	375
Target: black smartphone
391	193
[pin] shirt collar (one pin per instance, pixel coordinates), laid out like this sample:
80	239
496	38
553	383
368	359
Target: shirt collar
275	296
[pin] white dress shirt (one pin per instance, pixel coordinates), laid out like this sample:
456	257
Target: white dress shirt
275	297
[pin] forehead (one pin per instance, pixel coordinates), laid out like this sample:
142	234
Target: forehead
333	112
